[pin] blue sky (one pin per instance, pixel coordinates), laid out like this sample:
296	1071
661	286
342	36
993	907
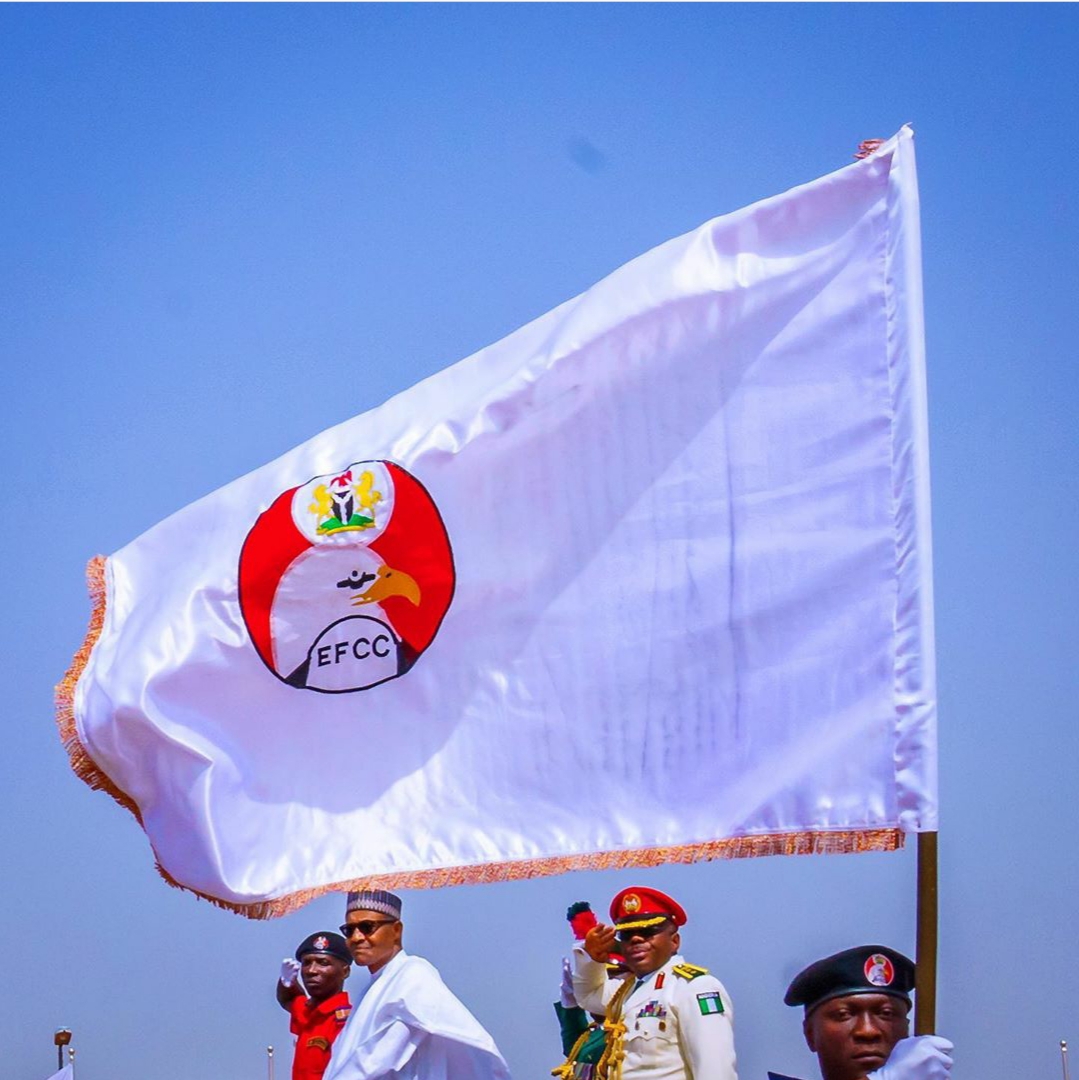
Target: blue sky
225	228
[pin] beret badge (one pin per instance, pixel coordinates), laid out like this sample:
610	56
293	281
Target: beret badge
879	970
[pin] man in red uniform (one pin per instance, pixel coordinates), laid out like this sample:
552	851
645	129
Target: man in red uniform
320	1007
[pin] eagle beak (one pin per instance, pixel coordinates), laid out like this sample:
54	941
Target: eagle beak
389	583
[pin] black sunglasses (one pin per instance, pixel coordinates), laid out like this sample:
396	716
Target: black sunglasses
367	927
645	932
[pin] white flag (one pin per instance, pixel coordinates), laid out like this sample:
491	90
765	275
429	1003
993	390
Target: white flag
646	581
66	1073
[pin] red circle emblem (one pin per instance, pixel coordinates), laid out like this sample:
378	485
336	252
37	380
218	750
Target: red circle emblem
345	580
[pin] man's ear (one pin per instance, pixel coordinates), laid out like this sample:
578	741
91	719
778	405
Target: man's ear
807	1031
677	939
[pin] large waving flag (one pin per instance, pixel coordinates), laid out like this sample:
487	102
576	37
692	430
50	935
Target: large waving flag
646	581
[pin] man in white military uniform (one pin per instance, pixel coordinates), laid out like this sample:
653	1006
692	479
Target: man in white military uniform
666	1020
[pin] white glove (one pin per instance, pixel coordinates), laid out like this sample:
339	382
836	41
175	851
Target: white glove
921	1057
290	971
566	989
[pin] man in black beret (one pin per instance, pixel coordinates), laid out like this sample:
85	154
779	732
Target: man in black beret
856	1018
320	1007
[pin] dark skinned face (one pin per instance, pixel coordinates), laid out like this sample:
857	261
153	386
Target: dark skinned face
854	1035
323	975
646	952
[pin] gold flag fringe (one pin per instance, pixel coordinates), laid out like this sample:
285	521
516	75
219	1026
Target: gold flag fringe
825	842
84	766
845	841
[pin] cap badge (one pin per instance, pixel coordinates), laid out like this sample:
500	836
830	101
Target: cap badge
879	970
631	904
321	942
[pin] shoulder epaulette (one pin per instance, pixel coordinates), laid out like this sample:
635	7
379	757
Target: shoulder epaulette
342	1014
688	971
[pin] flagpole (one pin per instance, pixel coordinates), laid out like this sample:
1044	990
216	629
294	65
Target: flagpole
1064	1059
269	1062
925	976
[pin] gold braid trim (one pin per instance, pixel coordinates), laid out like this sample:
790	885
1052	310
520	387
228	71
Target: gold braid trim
610	1065
565	1070
84	766
641	924
842	841
736	847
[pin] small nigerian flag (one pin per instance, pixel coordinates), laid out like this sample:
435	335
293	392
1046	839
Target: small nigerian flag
710	1003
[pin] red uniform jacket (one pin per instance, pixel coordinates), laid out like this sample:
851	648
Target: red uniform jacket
315	1025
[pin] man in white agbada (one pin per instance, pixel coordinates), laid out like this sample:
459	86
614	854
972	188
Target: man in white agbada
406	1024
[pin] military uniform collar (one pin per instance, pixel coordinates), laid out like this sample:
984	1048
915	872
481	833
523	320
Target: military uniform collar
665	970
330	1004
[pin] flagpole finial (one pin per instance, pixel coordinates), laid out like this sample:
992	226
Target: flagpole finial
61	1037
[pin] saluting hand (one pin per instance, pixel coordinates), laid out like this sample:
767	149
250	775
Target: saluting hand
599	942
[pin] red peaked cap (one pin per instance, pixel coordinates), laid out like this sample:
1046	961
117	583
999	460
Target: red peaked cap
639	907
